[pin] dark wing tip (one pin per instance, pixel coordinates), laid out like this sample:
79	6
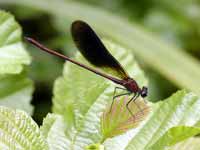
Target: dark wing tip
79	26
91	47
78	23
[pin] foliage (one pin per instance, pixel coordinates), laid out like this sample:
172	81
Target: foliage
143	44
16	88
19	131
81	117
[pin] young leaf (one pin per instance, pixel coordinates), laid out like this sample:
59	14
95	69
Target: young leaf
19	131
12	53
53	129
118	120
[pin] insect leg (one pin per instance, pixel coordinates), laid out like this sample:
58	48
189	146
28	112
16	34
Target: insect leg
137	104
115	96
127	104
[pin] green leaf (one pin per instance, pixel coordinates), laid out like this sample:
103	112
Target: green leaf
19	131
53	129
174	135
181	109
12	53
16	91
91	91
191	144
162	57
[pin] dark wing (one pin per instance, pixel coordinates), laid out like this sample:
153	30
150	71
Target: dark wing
93	49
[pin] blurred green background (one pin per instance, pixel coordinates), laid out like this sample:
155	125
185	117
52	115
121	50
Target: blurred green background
174	22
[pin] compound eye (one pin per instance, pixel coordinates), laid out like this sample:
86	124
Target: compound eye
144	92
